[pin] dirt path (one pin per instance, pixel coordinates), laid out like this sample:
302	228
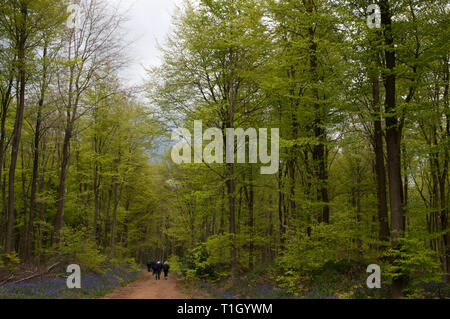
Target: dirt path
146	287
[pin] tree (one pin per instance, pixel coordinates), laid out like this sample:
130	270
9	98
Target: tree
88	50
22	19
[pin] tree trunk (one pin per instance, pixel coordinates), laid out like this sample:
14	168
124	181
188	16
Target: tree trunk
42	220
4	200
59	223
117	196
393	142
380	168
26	231
96	204
320	154
444	177
107	222
222	211
249	194
282	228
114	221
230	182
6	100
34	178
17	133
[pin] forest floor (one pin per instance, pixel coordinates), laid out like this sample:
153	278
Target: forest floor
28	283
146	287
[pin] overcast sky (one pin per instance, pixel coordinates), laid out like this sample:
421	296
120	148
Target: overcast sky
149	22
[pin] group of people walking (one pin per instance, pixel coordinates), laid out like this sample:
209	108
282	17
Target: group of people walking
157	267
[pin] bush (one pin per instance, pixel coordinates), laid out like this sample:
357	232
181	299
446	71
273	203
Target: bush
11	261
415	261
132	265
77	247
202	262
175	265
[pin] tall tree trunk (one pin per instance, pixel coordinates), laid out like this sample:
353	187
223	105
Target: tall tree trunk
117	196
282	228
17	133
293	152
320	154
357	195
444	176
393	142
405	188
5	100
107	222
270	232
37	136
41	219
25	232
4	201
64	166
114	221
96	197
291	182
249	194
222	211
380	168
230	183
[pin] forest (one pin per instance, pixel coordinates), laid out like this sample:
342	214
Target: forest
358	90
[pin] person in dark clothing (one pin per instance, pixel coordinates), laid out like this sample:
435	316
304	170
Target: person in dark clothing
151	266
158	268
165	268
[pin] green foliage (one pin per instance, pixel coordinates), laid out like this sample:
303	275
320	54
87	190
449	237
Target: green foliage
132	265
175	264
76	246
129	263
11	261
414	260
203	262
328	243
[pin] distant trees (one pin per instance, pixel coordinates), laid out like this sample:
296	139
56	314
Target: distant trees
91	51
24	23
77	139
351	105
213	78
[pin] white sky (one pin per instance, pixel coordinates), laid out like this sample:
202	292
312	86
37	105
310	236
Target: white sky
148	24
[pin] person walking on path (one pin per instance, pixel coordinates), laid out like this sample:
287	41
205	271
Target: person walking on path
165	268
158	268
